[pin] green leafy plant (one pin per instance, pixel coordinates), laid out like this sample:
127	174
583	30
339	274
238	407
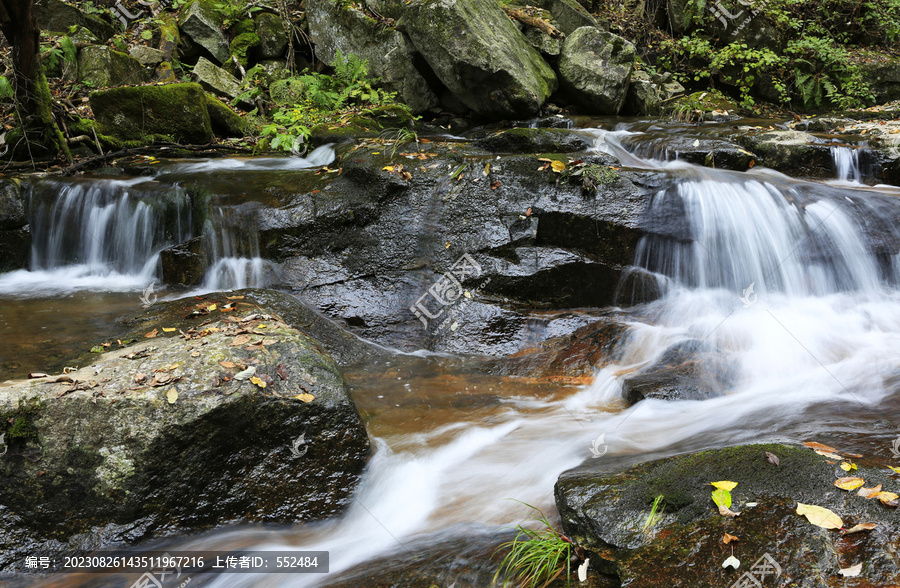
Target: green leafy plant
326	99
6	89
655	512
535	558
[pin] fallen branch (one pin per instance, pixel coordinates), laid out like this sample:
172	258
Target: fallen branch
533	21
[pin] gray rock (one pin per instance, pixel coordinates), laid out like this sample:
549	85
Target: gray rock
15	249
147	55
792	152
272	36
12	206
883	76
103	67
643	96
203	26
215	79
547	45
480	56
160	437
568	15
274	69
335	26
534	141
595	69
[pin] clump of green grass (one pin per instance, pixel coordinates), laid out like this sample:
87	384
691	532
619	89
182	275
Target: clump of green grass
535	558
655	513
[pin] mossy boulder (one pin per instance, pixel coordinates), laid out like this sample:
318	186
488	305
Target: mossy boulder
202	24
568	15
605	509
241	46
480	56
272	37
103	67
595	69
224	121
176	111
147	55
337	26
165	434
215	79
57	16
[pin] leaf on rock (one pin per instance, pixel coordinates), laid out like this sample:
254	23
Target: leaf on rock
33	375
819	516
729	538
246	374
727	512
848	465
852	571
305	397
721	497
97	349
258	382
557	165
860	528
281	371
172	395
169	329
829	455
772	458
240	340
582	570
870	492
731	561
888	498
227	364
211	307
849	483
152	334
814	445
729	486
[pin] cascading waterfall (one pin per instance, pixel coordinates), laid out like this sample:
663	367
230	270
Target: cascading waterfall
232	246
846	163
99	234
792	283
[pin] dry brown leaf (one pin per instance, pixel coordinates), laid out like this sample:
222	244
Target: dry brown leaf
772	458
829	455
727	512
152	334
870	492
849	483
240	340
305	397
814	445
227	364
729	538
195	354
859	528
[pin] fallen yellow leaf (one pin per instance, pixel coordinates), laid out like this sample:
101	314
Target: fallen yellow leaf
895	469
870	492
819	516
212	307
258	382
388	168
849	483
848	465
887	497
725	485
557	165
305	397
169	329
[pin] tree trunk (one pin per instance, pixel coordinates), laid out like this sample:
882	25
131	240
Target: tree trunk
33	100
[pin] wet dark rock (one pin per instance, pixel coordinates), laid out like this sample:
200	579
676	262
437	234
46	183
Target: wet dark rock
605	510
272	37
790	152
15	237
12	206
643	96
169	440
638	286
184	263
537	140
59	17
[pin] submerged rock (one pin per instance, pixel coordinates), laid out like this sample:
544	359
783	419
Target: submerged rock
480	56
220	411
606	511
595	69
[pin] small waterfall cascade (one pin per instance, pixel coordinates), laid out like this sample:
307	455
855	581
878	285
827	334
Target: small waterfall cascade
102	234
232	247
846	163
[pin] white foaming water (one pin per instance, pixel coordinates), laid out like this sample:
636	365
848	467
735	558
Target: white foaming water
846	164
317	157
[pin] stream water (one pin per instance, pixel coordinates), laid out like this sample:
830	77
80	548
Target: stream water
780	277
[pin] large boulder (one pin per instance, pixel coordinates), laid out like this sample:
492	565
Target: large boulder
337	26
595	69
480	56
605	508
171	433
568	15
103	67
202	24
15	238
882	72
643	96
177	111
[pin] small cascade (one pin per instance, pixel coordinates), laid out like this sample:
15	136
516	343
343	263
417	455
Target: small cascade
99	234
846	163
232	246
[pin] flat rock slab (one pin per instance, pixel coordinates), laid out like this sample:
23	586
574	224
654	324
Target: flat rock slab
218	412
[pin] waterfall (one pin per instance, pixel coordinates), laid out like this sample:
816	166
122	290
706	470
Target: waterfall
232	246
99	234
846	163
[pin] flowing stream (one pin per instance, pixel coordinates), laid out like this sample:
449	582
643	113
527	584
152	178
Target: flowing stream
782	279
